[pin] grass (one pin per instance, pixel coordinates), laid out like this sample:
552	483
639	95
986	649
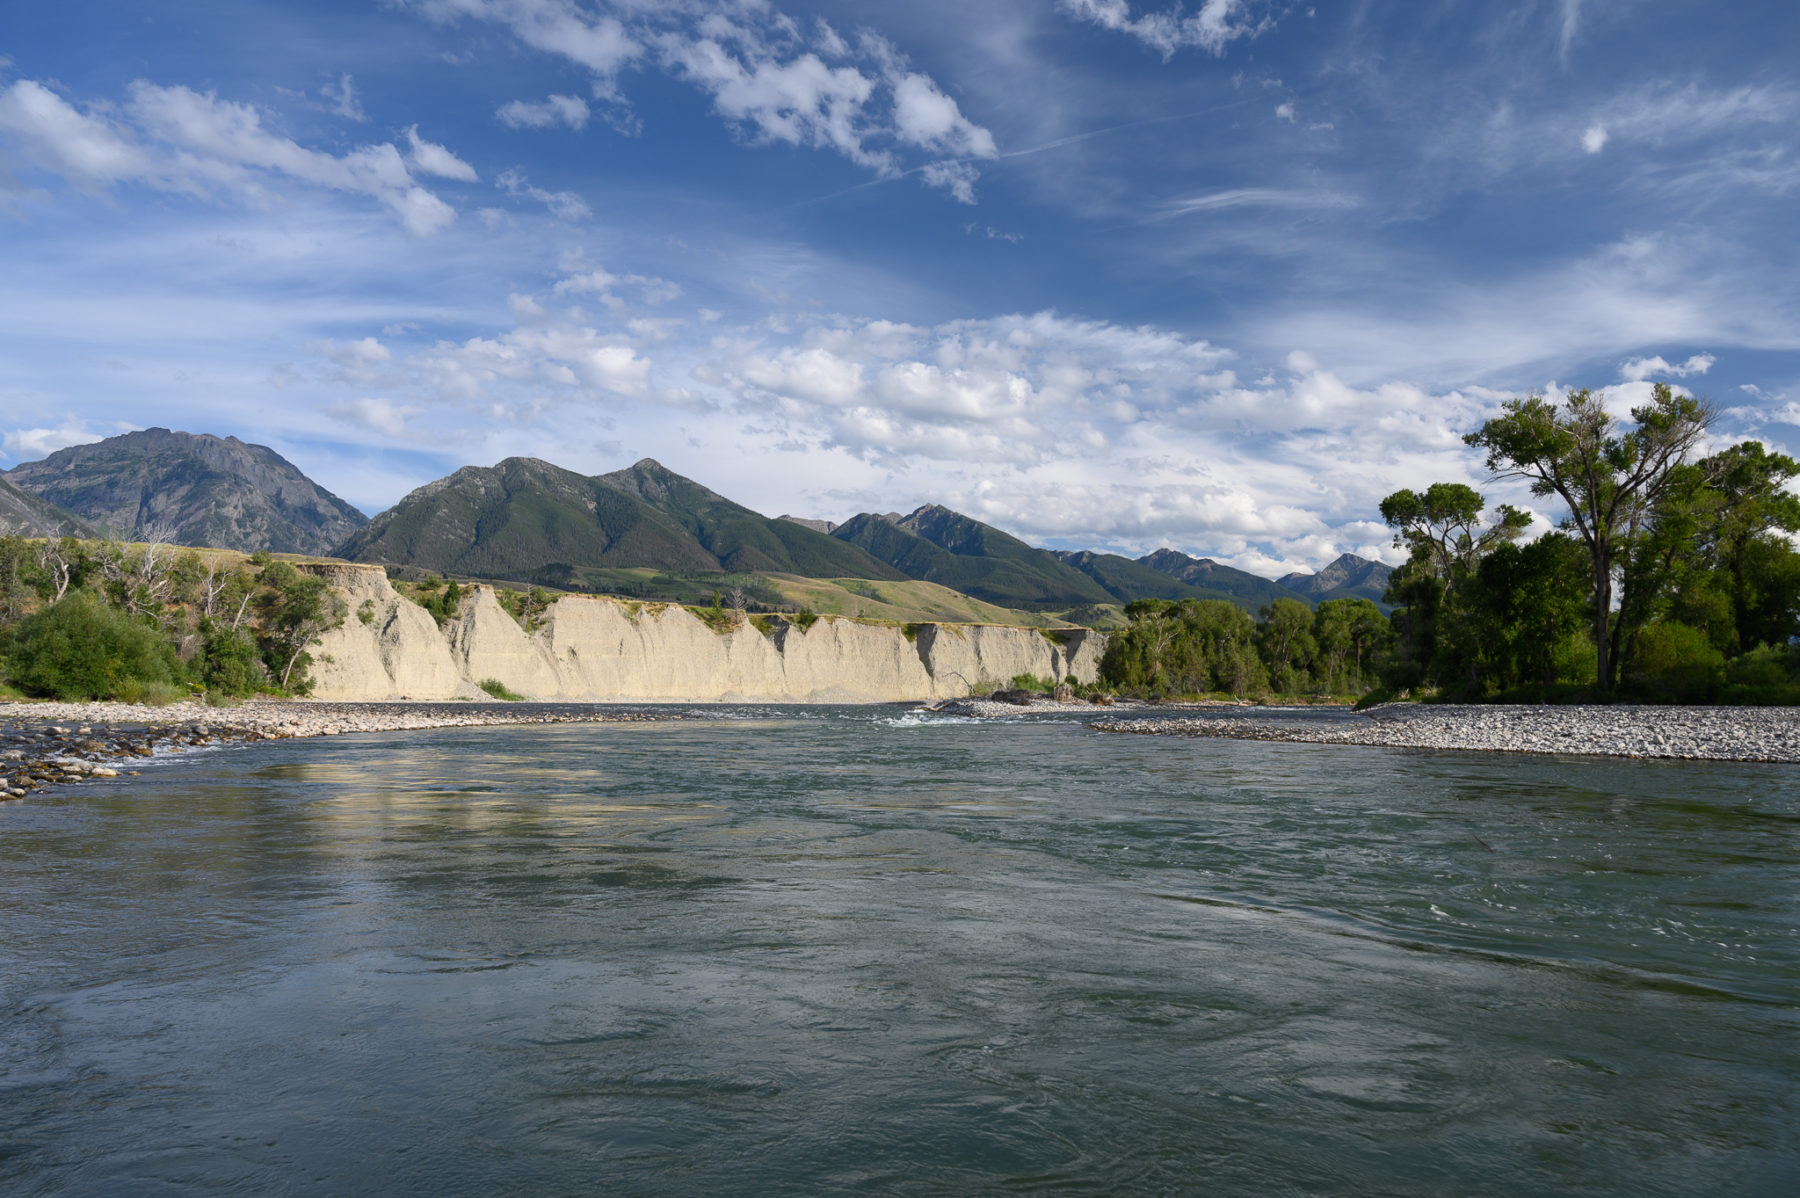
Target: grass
500	691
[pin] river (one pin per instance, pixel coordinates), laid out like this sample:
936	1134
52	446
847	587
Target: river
852	950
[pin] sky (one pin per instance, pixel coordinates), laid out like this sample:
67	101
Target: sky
1110	274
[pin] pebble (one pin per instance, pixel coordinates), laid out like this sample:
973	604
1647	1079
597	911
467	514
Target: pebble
40	753
1687	733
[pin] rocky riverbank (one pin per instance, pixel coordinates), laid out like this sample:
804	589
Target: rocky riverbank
1689	733
45	744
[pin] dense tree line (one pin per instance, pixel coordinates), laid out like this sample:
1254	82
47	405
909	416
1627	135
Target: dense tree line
1209	646
1673	576
100	619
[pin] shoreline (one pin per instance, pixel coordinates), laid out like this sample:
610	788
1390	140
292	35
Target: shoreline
52	743
1752	734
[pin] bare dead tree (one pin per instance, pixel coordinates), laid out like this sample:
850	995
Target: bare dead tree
57	559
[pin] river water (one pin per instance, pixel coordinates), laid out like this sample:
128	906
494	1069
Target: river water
843	950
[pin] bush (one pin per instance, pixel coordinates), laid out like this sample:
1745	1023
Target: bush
1676	663
82	648
1031	682
806	618
1767	674
230	664
499	690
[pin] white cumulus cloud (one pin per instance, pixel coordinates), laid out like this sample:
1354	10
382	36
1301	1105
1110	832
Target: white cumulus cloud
380	415
433	159
31	444
572	111
1639	369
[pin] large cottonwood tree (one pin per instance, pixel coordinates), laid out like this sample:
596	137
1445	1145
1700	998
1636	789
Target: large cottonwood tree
1611	475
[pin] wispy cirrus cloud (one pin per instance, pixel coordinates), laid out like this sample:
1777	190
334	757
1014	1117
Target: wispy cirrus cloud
177	139
564	205
1216	25
771	78
1255	197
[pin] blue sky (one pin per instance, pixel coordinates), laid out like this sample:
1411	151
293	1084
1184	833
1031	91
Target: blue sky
1108	274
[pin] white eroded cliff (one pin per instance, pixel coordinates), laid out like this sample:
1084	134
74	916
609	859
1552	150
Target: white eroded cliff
604	649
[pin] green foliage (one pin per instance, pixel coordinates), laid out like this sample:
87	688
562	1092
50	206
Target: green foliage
806	617
1612	479
528	608
229	663
1195	646
295	608
1519	620
716	618
1031	682
499	690
910	631
84	648
366	611
1677	664
444	605
1210	646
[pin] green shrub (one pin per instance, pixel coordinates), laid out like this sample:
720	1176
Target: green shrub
82	648
910	631
230	664
151	694
444	606
1031	682
1676	663
805	618
499	690
366	613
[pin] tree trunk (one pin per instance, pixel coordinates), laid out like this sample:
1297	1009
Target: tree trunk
1602	613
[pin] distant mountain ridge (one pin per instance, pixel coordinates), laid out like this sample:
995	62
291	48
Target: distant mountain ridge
935	544
528	520
196	489
1349	577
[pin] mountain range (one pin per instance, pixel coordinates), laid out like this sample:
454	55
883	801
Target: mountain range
529	521
192	490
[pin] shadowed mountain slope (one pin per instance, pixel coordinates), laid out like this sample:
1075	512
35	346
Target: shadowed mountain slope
528	520
1126	580
737	538
1221	582
23	514
194	489
935	544
1349	577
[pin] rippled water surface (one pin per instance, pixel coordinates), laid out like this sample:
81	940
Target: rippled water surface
843	950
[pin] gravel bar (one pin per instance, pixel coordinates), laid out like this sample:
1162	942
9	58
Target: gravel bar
1686	733
46	744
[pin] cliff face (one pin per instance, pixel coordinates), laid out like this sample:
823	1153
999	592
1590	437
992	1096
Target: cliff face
602	649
